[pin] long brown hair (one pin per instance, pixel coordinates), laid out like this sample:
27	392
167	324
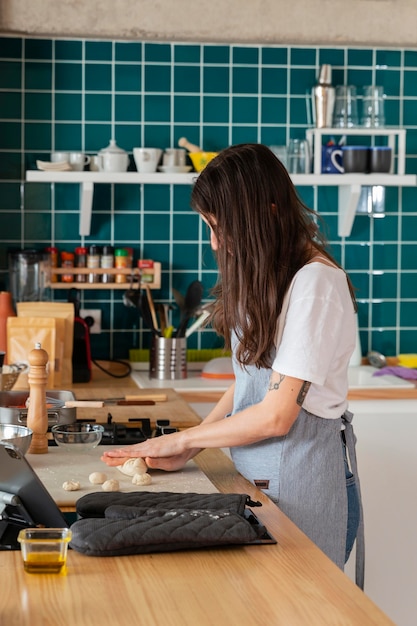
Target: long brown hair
265	234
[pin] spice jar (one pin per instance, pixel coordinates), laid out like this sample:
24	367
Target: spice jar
121	260
107	261
53	253
93	262
67	261
80	261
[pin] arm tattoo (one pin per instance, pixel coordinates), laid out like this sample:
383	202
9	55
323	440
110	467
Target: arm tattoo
303	392
275	386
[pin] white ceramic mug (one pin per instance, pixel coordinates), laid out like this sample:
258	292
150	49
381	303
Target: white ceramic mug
174	157
78	160
113	161
146	159
95	163
60	157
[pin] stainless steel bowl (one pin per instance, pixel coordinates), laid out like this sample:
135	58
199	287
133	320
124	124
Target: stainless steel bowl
19	436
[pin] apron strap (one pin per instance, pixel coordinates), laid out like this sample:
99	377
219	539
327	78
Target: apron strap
360	537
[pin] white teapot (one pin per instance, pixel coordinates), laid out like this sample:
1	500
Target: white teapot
113	158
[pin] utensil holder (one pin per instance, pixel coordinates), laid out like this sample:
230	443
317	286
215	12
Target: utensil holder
168	358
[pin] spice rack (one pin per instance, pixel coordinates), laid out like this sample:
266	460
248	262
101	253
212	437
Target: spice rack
132	277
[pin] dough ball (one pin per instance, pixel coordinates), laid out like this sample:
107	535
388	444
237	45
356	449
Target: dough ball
142	479
97	478
133	466
71	485
111	485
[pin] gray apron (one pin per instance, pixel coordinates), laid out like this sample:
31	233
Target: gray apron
303	472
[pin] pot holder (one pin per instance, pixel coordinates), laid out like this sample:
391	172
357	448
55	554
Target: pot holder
120	524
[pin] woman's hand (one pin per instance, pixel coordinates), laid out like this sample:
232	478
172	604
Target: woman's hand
167	452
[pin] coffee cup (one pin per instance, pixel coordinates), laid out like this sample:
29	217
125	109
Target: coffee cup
174	157
355	159
146	159
380	159
331	160
78	160
95	163
60	157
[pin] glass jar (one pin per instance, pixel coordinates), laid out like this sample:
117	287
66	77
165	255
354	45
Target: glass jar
107	261
121	260
67	261
80	261
93	262
53	253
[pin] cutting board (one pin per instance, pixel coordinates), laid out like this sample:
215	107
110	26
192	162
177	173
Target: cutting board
58	466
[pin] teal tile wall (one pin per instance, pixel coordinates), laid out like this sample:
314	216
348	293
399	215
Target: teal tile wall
77	94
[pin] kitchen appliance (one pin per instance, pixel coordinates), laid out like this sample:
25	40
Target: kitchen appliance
29	275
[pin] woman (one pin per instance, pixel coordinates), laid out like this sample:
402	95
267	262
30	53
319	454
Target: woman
287	311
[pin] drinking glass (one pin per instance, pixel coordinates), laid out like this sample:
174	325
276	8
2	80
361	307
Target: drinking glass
373	106
298	157
346	107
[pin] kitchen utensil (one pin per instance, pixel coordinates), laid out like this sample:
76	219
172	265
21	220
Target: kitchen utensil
78	436
98	404
13	407
376	359
198	323
146	313
192	302
201	159
132	297
151	306
19	436
168	358
191	147
44	550
323	95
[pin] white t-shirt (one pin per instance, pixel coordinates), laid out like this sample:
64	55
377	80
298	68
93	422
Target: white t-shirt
317	336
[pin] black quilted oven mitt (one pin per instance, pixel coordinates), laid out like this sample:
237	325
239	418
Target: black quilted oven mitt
118	524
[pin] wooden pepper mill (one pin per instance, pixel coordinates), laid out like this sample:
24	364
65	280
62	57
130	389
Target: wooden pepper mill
37	419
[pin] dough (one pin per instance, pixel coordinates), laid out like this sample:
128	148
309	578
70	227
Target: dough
110	485
97	478
71	485
142	479
133	466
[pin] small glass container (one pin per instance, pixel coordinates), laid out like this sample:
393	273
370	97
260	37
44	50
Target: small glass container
67	261
107	261
44	550
93	262
81	261
121	260
53	253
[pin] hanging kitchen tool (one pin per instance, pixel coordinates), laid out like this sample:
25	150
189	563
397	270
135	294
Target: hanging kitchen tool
132	297
146	313
192	303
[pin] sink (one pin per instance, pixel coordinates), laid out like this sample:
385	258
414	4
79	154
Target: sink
361	377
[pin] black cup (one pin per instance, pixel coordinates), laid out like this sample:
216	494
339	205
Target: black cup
380	159
355	159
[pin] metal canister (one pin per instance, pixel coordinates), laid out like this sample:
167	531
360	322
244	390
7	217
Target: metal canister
93	262
107	261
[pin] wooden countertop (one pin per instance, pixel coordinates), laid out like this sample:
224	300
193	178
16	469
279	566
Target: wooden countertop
291	583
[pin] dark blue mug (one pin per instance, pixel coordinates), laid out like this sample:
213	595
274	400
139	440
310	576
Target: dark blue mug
331	160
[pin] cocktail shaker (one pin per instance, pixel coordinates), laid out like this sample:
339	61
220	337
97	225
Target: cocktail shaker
323	97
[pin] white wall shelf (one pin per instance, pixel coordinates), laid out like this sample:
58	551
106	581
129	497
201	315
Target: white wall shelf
349	187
